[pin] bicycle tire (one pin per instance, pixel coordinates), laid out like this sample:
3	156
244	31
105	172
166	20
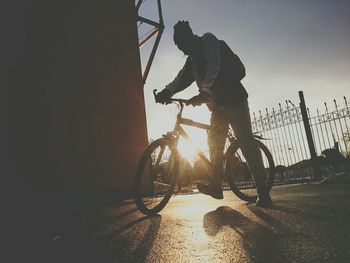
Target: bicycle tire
145	195
246	189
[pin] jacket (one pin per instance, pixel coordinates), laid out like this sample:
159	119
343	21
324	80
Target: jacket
215	71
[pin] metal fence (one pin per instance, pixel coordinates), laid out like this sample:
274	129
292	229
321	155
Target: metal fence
331	128
297	157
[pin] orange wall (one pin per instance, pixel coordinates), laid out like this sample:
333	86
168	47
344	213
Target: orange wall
73	100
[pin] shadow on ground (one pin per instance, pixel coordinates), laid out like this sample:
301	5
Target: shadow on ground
260	243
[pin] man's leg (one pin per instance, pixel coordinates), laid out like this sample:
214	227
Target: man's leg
216	142
239	118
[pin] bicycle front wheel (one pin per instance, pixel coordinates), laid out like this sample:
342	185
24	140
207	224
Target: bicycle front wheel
156	176
240	178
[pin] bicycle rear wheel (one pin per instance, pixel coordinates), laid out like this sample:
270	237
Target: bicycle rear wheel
240	178
156	176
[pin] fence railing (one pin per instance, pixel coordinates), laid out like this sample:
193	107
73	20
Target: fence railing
332	127
286	133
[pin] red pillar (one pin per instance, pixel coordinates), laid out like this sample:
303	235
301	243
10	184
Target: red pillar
73	111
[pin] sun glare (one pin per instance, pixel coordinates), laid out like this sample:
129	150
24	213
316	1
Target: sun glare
164	121
198	137
187	150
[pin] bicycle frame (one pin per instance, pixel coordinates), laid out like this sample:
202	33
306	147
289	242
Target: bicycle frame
179	131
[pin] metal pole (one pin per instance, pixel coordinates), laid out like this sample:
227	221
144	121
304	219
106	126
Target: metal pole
311	128
310	140
304	152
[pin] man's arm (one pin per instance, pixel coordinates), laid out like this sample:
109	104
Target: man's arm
183	79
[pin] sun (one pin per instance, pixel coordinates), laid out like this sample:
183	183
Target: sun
162	123
198	137
187	150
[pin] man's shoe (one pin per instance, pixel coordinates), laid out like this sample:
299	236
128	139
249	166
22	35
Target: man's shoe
209	189
264	201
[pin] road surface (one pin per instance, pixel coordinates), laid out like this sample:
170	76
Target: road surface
308	223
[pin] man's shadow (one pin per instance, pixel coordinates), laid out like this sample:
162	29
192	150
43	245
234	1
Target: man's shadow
260	243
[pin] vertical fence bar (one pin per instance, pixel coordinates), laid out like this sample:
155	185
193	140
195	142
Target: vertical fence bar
330	125
282	173
296	116
285	137
325	127
345	113
341	127
318	135
346	106
320	122
269	140
262	125
309	135
336	131
292	138
293	118
271	134
254	127
297	125
302	135
278	135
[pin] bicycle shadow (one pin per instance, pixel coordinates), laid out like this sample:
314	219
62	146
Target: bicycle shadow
123	236
132	240
260	243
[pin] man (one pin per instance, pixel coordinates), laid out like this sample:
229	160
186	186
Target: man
218	72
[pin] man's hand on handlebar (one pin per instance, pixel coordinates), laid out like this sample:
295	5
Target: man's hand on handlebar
163	97
198	99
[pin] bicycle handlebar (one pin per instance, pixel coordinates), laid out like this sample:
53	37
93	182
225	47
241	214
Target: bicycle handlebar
181	101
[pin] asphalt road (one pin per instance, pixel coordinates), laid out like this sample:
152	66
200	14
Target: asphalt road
308	223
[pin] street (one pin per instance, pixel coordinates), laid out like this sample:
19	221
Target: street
308	223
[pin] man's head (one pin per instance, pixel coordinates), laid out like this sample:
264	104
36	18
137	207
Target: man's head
183	37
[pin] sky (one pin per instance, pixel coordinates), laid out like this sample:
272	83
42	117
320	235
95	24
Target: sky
285	45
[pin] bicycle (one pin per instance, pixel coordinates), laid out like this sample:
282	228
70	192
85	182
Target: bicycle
157	172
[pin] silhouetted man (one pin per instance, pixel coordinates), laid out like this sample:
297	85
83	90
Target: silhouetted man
218	72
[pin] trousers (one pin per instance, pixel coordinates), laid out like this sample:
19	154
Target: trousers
238	117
